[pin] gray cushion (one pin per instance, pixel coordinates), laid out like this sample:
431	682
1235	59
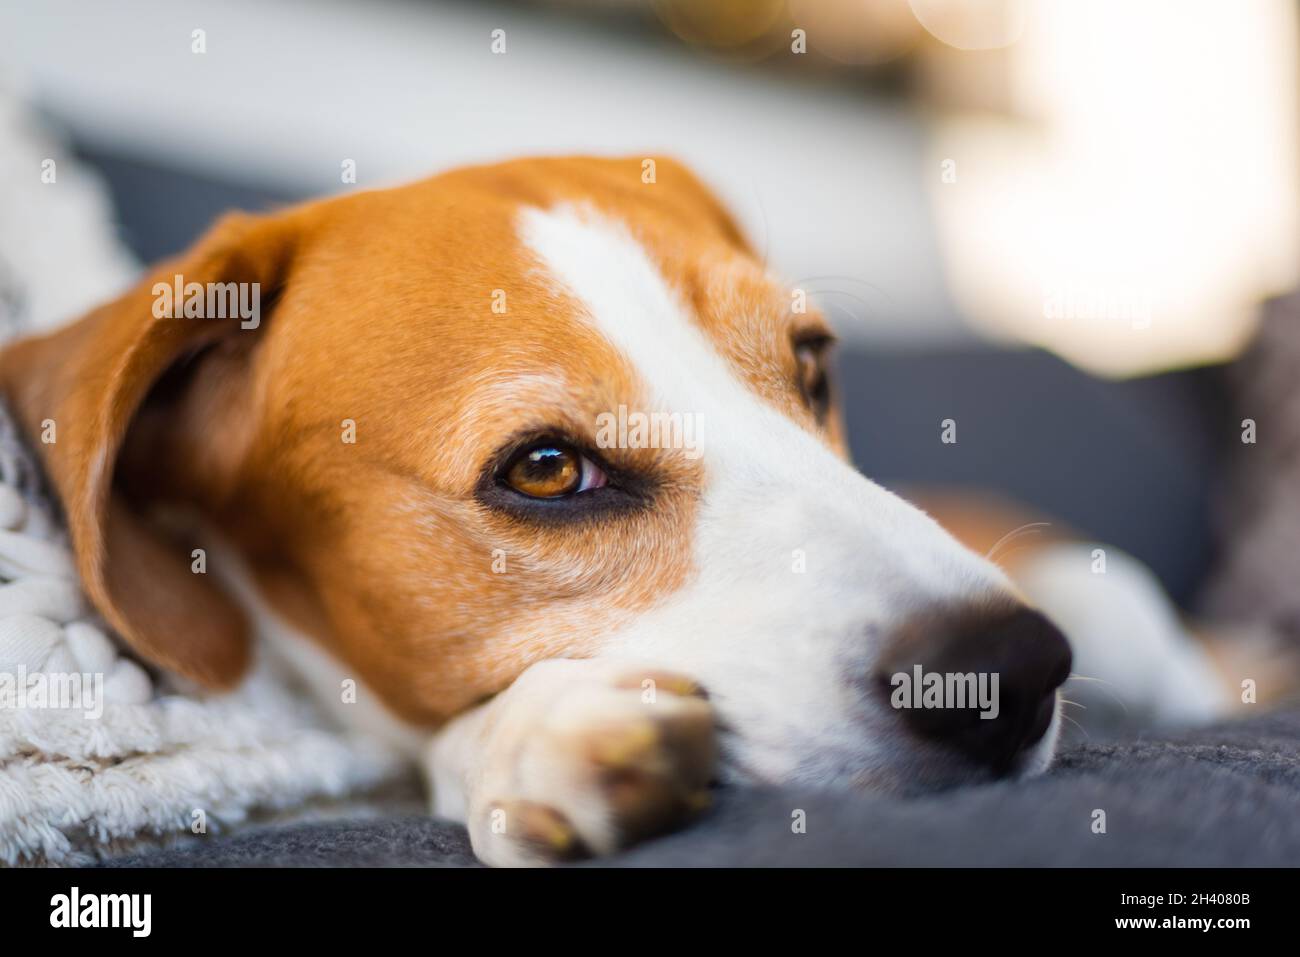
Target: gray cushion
1227	796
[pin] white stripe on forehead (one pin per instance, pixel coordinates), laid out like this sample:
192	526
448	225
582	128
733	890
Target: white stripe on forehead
749	623
626	297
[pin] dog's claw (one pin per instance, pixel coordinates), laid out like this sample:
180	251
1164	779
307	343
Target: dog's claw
541	829
633	744
668	681
598	765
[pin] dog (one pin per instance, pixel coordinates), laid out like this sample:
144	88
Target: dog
540	458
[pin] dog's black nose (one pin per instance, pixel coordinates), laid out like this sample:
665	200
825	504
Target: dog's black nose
985	686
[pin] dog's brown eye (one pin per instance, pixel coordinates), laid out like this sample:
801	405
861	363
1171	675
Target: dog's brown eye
813	380
552	471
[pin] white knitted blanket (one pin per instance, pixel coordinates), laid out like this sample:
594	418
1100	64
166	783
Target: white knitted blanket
97	756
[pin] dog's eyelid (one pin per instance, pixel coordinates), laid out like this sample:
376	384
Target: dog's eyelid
812	364
524	441
615	475
816	340
616	491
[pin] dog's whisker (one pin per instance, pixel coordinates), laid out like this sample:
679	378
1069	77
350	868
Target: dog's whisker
1082	729
1108	687
1029	528
1075	676
808	281
1007	552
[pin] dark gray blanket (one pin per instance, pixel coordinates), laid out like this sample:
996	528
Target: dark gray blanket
1226	796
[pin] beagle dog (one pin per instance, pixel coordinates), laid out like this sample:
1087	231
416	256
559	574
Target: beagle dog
540	457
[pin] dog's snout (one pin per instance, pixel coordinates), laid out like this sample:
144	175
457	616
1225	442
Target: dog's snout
985	687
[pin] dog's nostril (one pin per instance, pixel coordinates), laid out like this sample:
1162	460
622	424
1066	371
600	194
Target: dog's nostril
985	687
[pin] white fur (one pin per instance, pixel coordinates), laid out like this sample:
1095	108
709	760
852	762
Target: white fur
1137	666
784	654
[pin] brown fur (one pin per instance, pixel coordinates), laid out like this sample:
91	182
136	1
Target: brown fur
382	315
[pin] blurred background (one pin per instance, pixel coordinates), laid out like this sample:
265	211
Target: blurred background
1054	221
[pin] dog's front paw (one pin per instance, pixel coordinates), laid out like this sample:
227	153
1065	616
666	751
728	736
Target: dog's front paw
585	758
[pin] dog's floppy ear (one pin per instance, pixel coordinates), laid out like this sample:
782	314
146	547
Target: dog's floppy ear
88	392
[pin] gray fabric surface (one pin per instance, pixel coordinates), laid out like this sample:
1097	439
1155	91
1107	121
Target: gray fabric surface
1226	796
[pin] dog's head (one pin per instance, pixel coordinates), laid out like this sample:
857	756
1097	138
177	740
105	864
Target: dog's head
551	408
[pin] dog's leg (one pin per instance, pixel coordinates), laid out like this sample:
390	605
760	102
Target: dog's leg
576	757
1136	666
